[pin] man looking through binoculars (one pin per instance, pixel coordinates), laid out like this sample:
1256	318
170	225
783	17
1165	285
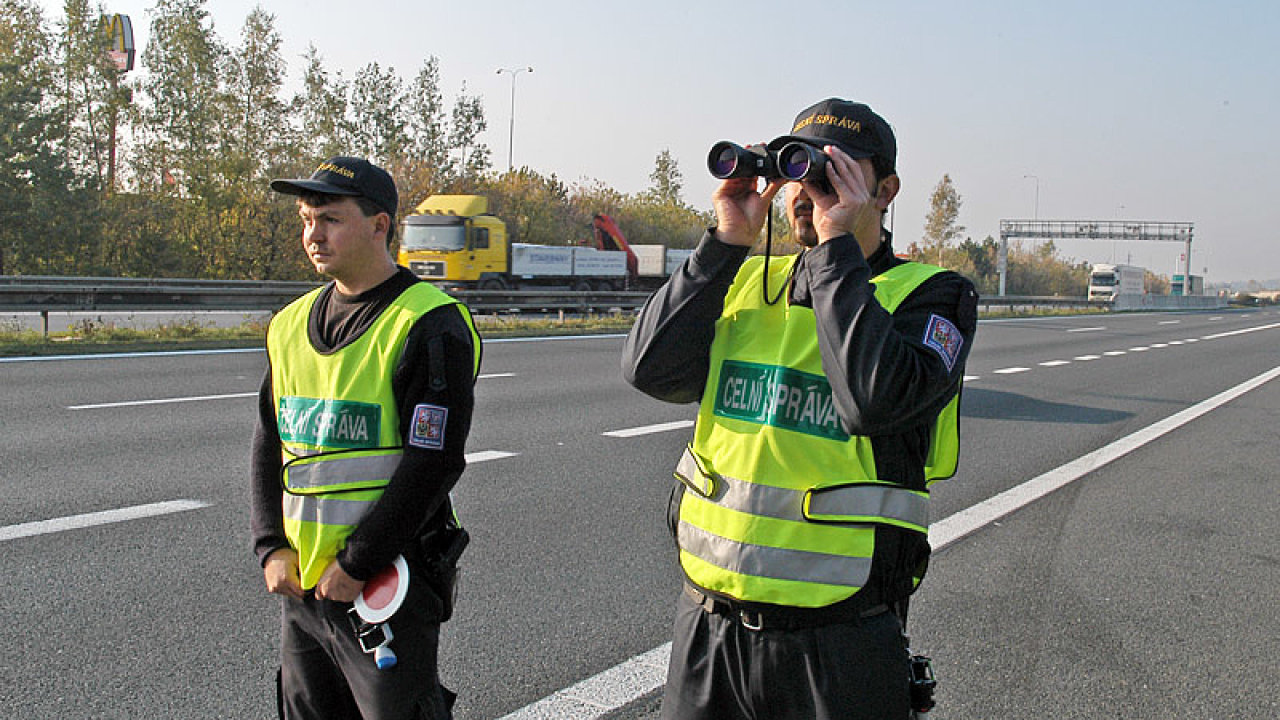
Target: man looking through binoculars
829	387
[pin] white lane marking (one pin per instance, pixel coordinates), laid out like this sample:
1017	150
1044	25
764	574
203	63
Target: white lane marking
1055	363
1175	342
1114	353
1169	322
1140	348
196	398
649	429
1241	332
554	338
1159	345
974	517
967	378
113	356
1191	340
483	455
102	517
1087	357
1011	370
1086	329
601	694
1215	317
161	401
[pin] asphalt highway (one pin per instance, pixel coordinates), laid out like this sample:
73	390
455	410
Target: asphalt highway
1142	587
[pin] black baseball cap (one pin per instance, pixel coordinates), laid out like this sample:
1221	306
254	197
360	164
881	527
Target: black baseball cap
853	127
341	175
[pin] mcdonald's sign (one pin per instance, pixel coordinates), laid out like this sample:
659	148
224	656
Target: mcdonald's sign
119	32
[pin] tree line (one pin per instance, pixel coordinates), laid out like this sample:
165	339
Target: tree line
167	176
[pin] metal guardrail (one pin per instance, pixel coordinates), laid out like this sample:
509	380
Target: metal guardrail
44	294
88	294
1034	303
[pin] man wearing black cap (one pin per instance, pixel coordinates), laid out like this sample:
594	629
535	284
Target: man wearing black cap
829	386
362	421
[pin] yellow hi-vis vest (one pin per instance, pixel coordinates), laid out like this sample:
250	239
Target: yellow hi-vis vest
780	504
340	431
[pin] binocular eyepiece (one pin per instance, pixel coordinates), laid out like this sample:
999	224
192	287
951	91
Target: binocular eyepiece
794	161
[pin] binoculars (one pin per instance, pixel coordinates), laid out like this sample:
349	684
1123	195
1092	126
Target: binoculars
794	161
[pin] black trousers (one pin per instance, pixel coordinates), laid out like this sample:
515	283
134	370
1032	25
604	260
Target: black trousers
324	675
722	670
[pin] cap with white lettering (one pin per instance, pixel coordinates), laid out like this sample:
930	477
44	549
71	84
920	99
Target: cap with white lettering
853	127
341	175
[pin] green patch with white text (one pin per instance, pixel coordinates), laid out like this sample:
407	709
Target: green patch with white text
778	396
330	423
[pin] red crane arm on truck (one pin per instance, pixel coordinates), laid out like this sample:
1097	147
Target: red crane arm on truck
608	236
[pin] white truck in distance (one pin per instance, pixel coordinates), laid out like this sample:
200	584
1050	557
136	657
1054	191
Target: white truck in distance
1107	281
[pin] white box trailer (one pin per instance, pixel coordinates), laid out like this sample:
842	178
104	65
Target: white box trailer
565	261
650	260
590	262
658	261
541	260
676	258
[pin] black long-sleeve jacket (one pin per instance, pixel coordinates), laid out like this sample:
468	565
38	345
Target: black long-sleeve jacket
887	383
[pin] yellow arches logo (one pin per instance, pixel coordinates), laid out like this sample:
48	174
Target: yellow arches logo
119	33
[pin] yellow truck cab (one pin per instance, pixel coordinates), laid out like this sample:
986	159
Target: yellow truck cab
452	240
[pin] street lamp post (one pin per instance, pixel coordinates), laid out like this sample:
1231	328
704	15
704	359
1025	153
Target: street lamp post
1036	215
512	134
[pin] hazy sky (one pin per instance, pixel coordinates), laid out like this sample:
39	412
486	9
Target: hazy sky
1161	110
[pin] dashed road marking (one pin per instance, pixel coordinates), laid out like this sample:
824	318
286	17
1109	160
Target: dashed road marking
102	517
484	455
649	429
161	401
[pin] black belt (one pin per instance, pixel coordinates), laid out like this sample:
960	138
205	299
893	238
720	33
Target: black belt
779	617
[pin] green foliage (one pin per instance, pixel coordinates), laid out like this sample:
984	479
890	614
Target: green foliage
36	181
468	123
201	135
535	208
940	225
1034	270
667	181
210	127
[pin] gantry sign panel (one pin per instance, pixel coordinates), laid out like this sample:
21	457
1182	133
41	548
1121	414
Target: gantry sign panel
1092	230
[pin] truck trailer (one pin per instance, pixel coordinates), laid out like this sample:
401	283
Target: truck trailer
454	242
1107	281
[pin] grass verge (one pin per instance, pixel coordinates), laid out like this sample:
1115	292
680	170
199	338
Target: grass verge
91	336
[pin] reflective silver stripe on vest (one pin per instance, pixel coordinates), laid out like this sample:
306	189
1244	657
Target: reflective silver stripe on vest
313	474
325	511
771	562
834	504
841	503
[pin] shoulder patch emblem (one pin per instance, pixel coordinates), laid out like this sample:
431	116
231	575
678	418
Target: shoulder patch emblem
428	427
945	338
